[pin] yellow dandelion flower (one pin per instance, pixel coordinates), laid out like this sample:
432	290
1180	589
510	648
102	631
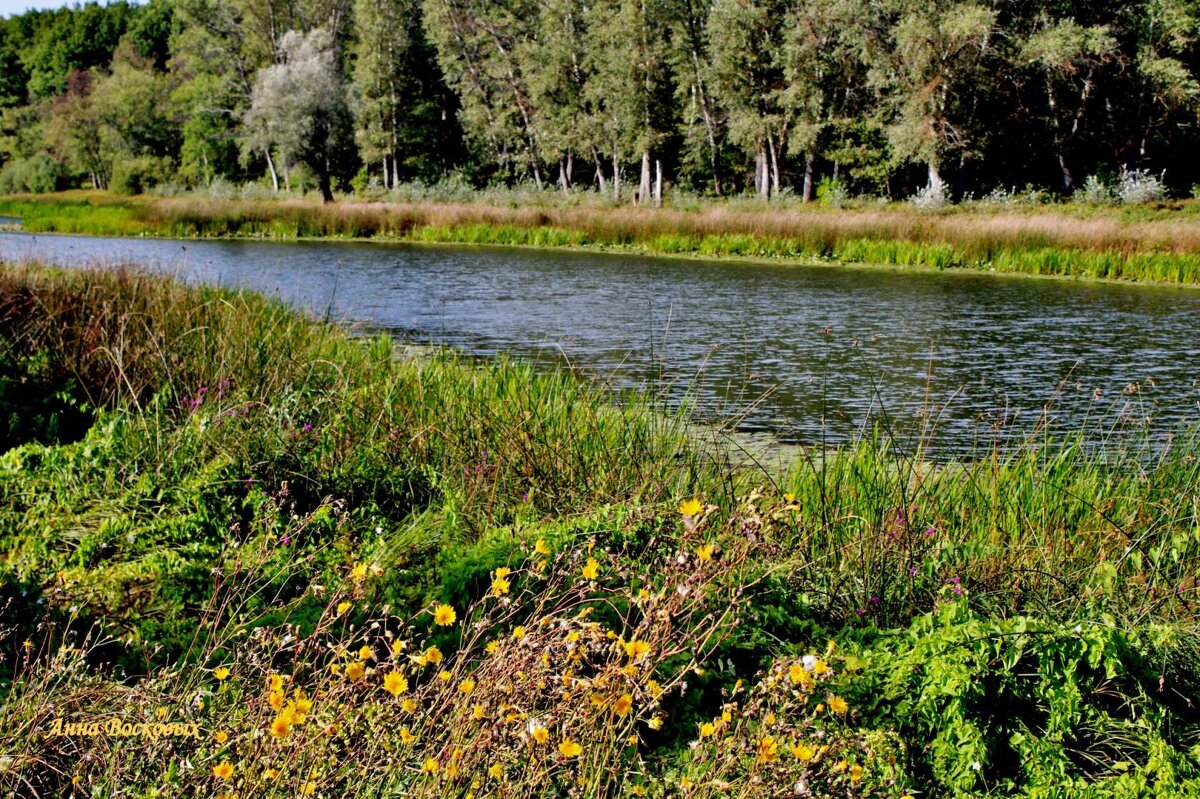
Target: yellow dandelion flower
568	748
221	673
433	655
444	616
838	705
406	737
466	686
275	682
541	547
655	723
856	773
518	632
492	647
355	670
654	689
223	771
409	706
431	766
685	784
366	653
343	607
222	737
281	726
705	553
399	645
623	705
478	712
308	788
690	507
395	683
540	734
359	572
275	700
539	566
769	720
591	569
840	766
707	729
445	676
638	790
335	668
798	675
495	771
500	586
768	749
636	650
501	572
271	773
802	752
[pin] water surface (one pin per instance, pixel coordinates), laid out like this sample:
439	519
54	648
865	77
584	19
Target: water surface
810	352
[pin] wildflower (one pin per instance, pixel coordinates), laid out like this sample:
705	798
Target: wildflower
406	737
798	675
500	586
492	647
409	706
444	616
856	773
395	683
636	650
275	682
623	705
281	726
398	646
430	766
343	607
541	547
655	723
365	653
569	748
466	686
223	771
271	773
705	553
591	569
308	788
355	670
222	737
433	655
768	749
445	676
707	729
501	572
690	508
802	752
495	771
275	700
477	712
838	705
221	673
539	732
359	572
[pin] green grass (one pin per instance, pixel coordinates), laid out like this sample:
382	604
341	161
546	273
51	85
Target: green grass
1158	245
229	461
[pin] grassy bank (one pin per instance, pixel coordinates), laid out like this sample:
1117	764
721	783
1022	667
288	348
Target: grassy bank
1161	245
359	574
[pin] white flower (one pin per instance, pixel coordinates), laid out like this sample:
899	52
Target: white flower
809	662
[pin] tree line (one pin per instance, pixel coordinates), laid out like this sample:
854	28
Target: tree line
887	97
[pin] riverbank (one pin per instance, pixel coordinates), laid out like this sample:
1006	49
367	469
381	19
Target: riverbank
1159	244
355	570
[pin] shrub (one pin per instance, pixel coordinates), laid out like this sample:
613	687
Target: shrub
37	174
140	174
832	192
1138	186
930	198
1094	192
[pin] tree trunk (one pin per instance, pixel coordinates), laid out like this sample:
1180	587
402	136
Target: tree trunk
935	177
774	165
643	194
324	185
570	169
616	176
599	170
1068	180
537	173
562	175
762	183
809	166
658	183
274	174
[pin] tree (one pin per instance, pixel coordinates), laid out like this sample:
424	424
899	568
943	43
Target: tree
300	107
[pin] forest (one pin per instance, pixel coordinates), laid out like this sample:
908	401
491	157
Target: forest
883	98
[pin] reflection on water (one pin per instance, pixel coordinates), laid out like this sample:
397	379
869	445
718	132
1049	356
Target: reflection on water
812	352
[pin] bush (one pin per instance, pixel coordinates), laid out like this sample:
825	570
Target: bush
930	198
139	175
1094	192
1138	186
832	192
35	175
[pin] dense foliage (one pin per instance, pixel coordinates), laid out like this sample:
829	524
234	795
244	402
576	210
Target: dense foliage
883	97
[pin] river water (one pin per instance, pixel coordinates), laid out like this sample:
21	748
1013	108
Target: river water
811	353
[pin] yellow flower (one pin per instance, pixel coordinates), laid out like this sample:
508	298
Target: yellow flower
623	705
690	507
430	766
798	675
355	670
221	673
478	712
444	675
433	655
856	773
541	547
705	553
802	752
838	705
275	700
820	667
768	749
518	632
343	607
655	723
501	572
569	748
281	726
308	788
406	737
638	790
271	773
492	647
466	686
275	682
707	729
335	668
359	572
444	616
398	646
222	737
540	734
636	650
365	653
500	586
223	771
395	683
495	772
409	706
591	569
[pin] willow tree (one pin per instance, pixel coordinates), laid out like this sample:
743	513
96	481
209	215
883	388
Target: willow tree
553	60
703	120
746	50
928	62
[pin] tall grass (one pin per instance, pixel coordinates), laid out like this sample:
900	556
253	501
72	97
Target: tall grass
1118	244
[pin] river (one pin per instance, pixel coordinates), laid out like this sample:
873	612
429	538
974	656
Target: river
810	353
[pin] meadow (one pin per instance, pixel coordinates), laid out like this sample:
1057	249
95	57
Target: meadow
344	568
1150	242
